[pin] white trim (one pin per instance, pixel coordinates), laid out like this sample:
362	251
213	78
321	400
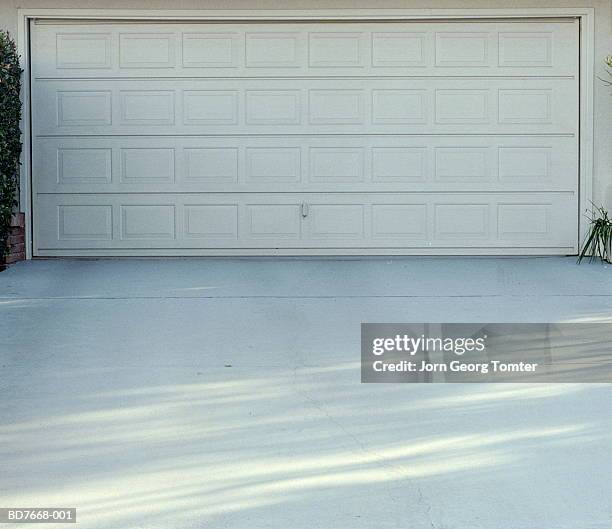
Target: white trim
312	252
294	14
25	174
586	146
587	53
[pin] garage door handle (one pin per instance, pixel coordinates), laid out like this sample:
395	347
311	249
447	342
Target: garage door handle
304	209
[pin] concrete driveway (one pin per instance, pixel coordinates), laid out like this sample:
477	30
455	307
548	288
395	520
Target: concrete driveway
225	394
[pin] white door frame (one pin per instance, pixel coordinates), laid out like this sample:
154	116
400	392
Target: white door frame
587	52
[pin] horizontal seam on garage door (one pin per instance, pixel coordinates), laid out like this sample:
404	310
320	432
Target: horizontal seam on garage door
298	135
312	191
343	77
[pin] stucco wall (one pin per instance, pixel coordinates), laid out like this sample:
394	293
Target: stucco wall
603	43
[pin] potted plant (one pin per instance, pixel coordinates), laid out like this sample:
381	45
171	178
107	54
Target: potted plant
598	243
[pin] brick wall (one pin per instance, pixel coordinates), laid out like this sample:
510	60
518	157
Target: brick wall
16	240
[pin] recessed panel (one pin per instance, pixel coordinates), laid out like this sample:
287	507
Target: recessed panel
84	166
525	106
272	50
462	106
85	222
211	221
399	220
461	221
462	49
282	163
273	107
211	164
147	107
83	50
399	106
399	163
83	108
330	221
523	221
276	221
336	50
141	166
336	107
209	107
522	49
461	162
210	50
336	163
147	222
146	50
531	163
398	50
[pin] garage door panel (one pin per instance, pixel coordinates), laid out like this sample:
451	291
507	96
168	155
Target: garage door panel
83	222
207	107
273	221
369	137
305	164
359	49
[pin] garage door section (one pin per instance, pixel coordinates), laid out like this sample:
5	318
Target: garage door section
187	139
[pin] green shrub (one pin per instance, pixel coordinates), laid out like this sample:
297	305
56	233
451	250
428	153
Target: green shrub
10	134
608	61
599	238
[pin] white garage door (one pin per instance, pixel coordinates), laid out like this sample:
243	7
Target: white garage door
183	139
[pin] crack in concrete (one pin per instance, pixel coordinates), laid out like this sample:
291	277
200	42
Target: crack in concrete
378	458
